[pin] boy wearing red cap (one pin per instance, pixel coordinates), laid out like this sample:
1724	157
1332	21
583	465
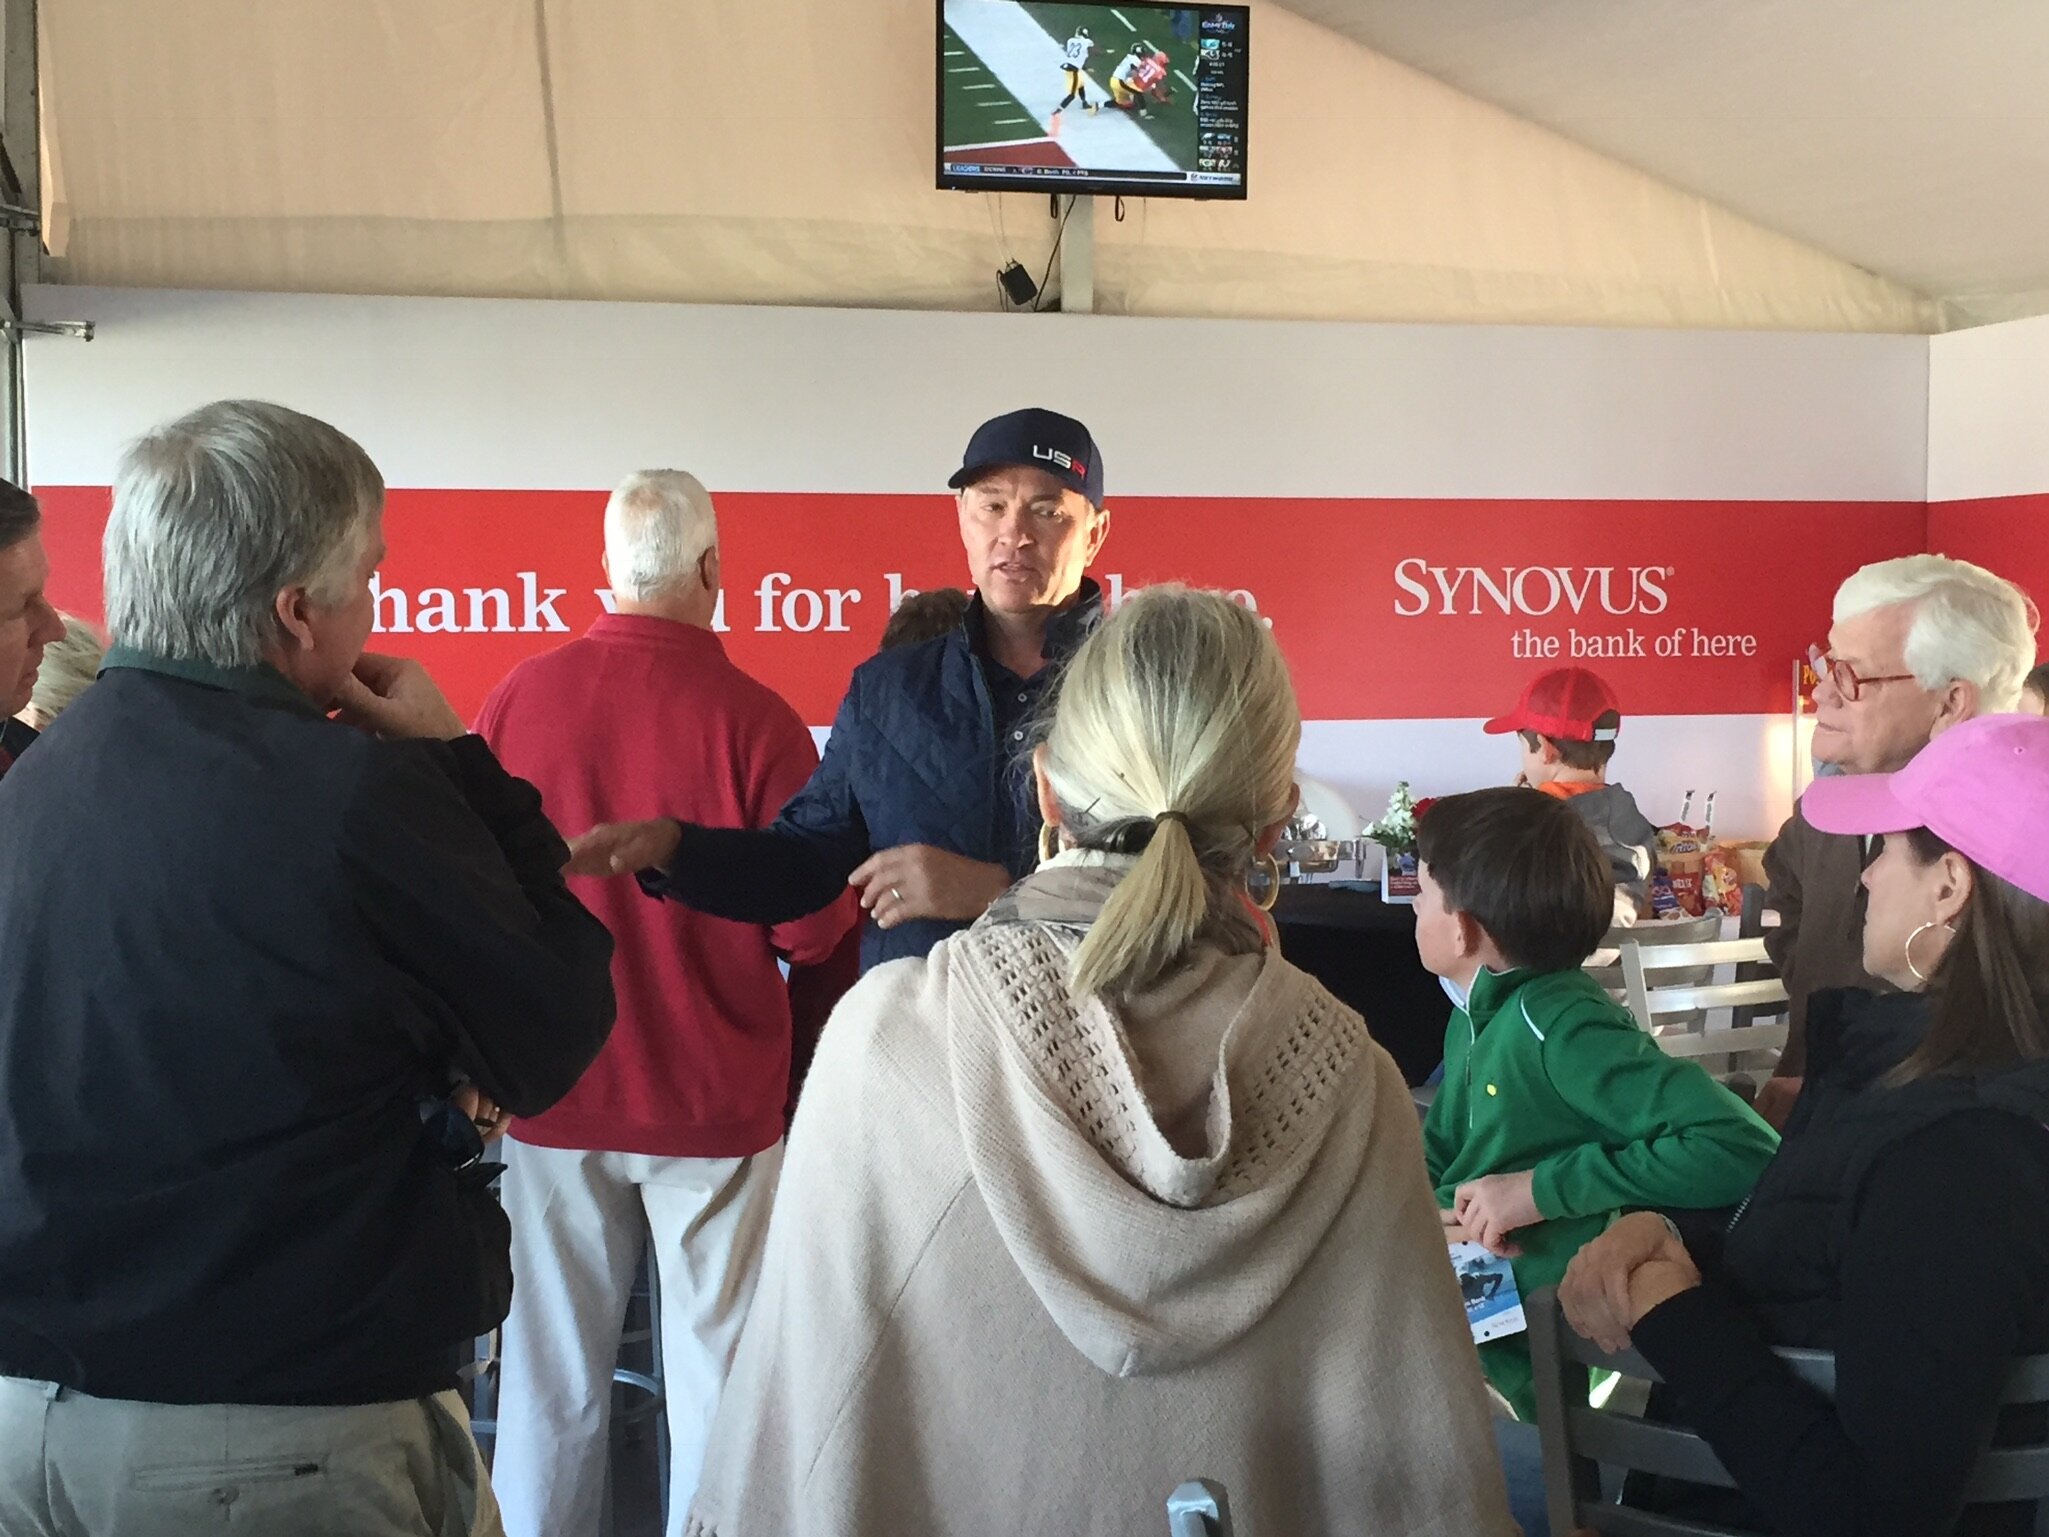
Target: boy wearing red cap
1568	720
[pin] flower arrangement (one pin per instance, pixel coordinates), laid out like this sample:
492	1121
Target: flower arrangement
1396	832
1396	829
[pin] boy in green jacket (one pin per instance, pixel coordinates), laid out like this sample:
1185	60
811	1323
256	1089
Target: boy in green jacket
1556	1110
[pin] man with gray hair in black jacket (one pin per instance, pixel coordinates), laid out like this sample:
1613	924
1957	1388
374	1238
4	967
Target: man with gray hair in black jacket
249	955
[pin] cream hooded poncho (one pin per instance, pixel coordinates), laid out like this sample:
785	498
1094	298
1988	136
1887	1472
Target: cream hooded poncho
1036	1261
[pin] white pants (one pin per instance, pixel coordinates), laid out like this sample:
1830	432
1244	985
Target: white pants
578	1222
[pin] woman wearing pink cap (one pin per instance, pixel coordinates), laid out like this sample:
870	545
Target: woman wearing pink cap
1904	1223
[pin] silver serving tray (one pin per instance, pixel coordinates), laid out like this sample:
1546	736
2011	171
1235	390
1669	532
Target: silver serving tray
1313	856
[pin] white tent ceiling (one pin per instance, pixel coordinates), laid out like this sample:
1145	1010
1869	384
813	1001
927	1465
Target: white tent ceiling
1906	136
1819	164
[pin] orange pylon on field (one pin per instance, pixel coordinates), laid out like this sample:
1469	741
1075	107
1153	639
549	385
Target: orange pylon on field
1053	126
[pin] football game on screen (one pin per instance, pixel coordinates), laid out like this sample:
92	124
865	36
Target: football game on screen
1111	98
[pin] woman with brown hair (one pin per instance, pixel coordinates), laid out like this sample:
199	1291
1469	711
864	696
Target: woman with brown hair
1904	1224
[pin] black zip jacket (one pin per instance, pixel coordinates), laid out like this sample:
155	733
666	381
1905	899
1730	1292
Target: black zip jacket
240	945
1904	1228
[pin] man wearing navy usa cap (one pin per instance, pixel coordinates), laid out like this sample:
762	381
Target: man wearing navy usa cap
923	799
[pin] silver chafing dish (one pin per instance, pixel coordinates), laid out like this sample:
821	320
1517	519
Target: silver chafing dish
1306	851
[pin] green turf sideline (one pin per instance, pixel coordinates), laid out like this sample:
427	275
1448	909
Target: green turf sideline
987	103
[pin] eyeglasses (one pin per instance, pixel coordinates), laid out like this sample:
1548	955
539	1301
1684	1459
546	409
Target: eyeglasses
1844	676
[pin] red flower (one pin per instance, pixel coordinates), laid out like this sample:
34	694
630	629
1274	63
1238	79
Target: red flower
1425	804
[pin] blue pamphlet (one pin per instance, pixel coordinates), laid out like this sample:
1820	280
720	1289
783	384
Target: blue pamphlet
1494	1307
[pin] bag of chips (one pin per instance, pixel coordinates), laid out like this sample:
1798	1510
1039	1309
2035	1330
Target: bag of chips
1681	858
1721	881
1664	900
1682	855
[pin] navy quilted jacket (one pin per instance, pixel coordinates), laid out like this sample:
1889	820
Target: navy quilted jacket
913	758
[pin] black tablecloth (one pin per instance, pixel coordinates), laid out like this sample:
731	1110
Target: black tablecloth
1364	951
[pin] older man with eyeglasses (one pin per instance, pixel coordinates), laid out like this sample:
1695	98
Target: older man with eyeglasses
1919	644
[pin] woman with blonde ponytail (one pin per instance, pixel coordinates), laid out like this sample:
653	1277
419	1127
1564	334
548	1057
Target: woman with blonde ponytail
1103	1195
1174	734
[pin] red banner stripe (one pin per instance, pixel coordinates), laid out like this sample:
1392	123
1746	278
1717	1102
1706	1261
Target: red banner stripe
1386	608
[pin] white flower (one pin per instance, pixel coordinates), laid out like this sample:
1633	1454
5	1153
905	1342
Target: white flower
1396	830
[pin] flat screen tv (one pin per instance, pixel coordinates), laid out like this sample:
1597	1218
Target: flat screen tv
1132	100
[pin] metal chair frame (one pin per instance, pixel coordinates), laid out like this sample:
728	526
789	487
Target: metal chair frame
1578	1439
1650	1003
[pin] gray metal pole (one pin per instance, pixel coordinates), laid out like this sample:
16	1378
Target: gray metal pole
1078	258
21	148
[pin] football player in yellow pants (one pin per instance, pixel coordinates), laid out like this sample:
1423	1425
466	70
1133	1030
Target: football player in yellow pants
1077	49
1125	91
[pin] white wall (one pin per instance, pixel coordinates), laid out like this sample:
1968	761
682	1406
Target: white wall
1988	450
1988	411
519	393
1547	426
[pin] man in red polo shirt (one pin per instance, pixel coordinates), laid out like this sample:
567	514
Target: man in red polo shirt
674	1136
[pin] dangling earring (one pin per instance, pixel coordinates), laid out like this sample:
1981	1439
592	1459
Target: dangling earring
1919	974
1049	842
1270	867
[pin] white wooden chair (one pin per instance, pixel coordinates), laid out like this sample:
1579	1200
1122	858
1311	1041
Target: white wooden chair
1696	1000
1605	964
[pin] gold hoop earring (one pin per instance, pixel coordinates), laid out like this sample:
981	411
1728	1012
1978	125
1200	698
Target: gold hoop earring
1270	867
1919	974
1049	842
